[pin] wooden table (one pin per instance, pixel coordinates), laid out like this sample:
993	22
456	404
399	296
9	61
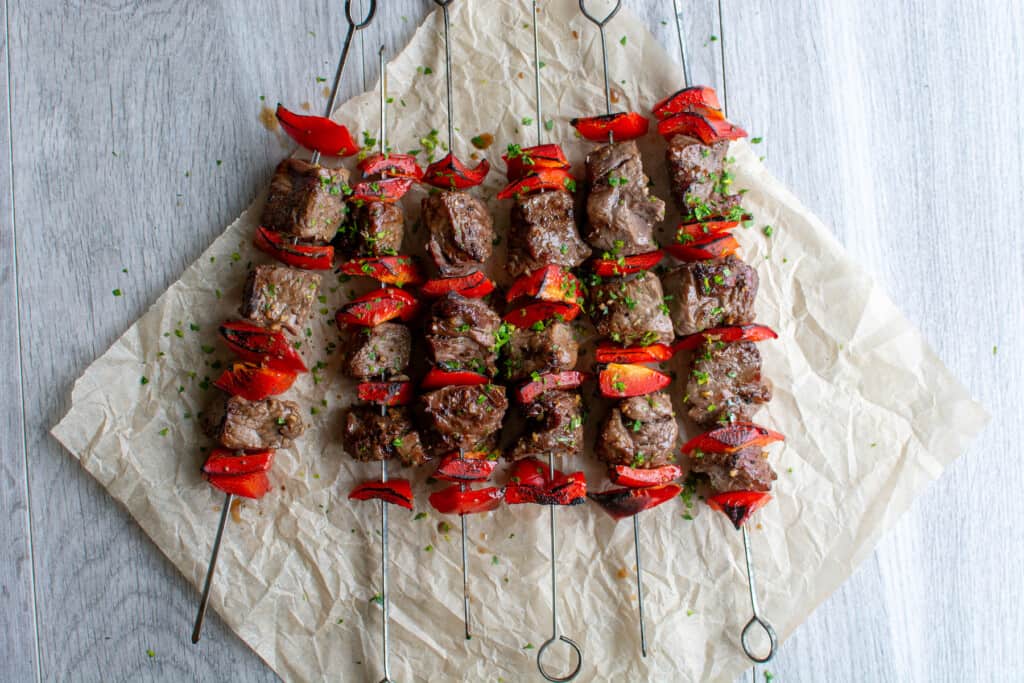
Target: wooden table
134	137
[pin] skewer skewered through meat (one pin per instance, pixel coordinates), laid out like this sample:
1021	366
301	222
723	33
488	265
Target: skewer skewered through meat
621	212
705	294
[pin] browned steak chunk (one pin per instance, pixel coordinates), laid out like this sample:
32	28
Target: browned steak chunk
639	432
725	383
543	232
552	348
744	470
237	423
461	334
700	183
631	311
306	201
370	436
556	419
374	229
463	416
706	294
461	232
279	296
371	352
621	212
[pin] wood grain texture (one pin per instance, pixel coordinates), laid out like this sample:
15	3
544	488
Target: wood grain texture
898	123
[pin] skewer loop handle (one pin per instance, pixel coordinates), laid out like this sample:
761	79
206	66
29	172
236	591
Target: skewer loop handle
361	24
600	22
772	639
551	677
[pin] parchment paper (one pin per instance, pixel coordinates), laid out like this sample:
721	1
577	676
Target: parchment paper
871	414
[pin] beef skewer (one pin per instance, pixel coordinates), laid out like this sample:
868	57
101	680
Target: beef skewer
249	425
713	311
463	409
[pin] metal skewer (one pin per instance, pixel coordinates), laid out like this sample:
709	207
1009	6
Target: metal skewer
465	568
197	630
601	23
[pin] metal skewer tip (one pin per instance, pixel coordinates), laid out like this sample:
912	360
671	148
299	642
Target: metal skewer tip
443	4
639	585
677	15
465	569
757	619
197	630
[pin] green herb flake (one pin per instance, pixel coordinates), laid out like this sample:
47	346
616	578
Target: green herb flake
420	515
622	40
377	599
163	432
756	141
494	559
150	653
768	230
143	380
116	292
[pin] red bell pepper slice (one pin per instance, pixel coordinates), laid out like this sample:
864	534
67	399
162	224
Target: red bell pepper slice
522	161
688	233
538	181
378	306
529	314
563	490
437	378
569	379
386	393
473	286
254	382
394	491
391	166
259	345
618	380
388	190
713	246
729	334
626	265
607	352
738	506
699	98
229	462
529	472
732	438
626	502
451	174
317	133
709	131
391	270
549	283
252	485
453	500
307	256
622	125
473	466
633	477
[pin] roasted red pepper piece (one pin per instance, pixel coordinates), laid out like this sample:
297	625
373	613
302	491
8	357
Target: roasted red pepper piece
738	506
473	466
523	161
394	491
633	477
709	131
378	306
225	461
259	345
307	256
529	472
623	125
550	283
534	312
251	485
564	490
437	378
689	233
626	502
391	166
254	382
569	379
729	334
317	133
538	181
699	98
391	270
626	265
607	352
619	380
713	246
452	500
472	286
388	190
386	393
451	174
732	438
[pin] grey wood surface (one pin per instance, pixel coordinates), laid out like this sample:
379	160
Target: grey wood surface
898	123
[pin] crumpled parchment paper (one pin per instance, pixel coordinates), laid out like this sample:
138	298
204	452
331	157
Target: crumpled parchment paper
871	414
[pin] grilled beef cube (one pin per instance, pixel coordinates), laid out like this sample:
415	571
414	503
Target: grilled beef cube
725	383
551	349
631	311
745	470
306	201
621	213
463	416
543	232
639	432
370	436
705	294
238	423
557	417
461	232
460	335
375	229
696	174
279	296
371	352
